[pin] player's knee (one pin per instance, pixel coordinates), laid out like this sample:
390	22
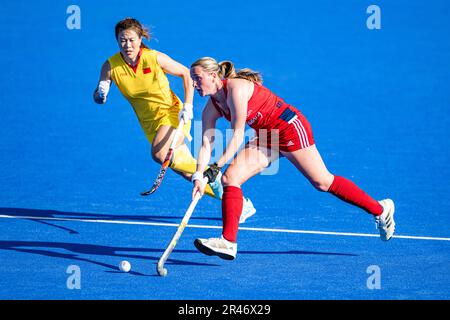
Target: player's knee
158	156
229	179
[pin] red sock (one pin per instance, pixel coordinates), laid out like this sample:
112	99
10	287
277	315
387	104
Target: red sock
346	190
232	203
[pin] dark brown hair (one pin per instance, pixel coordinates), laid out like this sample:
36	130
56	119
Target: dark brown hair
130	23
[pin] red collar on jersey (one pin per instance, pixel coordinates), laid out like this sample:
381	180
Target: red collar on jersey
137	62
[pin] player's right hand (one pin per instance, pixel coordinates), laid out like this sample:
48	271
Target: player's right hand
98	98
102	90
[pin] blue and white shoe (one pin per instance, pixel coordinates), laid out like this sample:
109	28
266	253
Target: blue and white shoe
216	186
247	210
385	222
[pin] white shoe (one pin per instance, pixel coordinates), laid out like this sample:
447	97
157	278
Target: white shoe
220	247
385	222
216	186
247	210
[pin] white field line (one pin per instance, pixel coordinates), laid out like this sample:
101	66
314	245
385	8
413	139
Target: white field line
161	224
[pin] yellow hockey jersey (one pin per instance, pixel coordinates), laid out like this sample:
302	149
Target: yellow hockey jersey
147	89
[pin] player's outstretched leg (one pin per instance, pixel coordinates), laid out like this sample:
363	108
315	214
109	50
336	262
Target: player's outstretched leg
310	163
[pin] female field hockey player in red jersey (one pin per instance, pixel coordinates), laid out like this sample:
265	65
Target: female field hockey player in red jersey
280	129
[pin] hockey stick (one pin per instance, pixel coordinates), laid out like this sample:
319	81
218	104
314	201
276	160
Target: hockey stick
160	266
166	162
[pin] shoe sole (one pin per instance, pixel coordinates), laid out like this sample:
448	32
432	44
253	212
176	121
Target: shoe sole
205	250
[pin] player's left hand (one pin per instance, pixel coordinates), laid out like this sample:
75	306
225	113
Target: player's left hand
212	172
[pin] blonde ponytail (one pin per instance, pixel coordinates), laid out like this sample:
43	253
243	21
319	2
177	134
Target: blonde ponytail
250	75
226	70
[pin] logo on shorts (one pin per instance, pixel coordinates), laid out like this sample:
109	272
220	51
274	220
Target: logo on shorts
290	143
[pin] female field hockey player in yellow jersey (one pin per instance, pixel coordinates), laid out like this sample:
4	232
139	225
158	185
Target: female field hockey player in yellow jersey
140	74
